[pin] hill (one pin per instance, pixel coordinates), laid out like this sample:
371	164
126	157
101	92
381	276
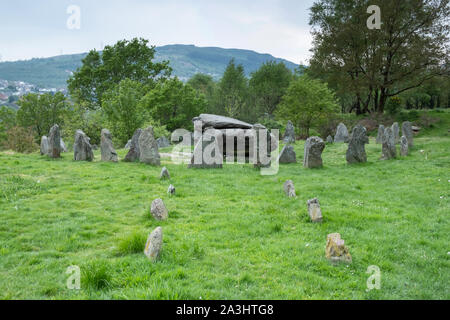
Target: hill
186	60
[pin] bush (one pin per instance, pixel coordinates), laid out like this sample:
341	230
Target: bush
20	140
394	105
158	129
133	243
270	123
96	275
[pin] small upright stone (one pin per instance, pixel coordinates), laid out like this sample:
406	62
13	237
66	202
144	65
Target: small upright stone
341	134
82	148
154	244
148	148
336	251
380	134
404	147
330	140
164	174
315	213
313	153
163	142
408	133
289	189
106	146
159	210
63	146
134	152
171	190
44	146
389	150
54	142
396	131
289	135
128	145
287	155
356	148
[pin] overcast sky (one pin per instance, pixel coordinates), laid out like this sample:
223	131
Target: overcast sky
38	28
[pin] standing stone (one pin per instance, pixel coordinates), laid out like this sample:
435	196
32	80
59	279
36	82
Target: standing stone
404	147
154	244
44	146
164	174
128	145
63	146
330	140
341	134
389	149
289	135
263	147
287	155
356	148
289	189
408	133
134	152
171	190
315	213
336	251
163	142
107	149
148	148
159	210
82	148
313	152
380	134
396	131
208	151
54	142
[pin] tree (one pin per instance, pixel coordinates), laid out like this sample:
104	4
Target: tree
173	104
7	121
268	85
307	102
125	60
233	92
410	48
204	84
41	112
123	110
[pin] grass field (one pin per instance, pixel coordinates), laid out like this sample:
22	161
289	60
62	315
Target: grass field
231	233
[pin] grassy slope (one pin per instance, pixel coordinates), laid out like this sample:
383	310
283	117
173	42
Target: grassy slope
232	234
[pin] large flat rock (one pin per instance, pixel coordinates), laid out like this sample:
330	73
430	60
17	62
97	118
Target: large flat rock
221	122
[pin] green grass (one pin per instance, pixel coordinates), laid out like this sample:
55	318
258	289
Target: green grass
231	233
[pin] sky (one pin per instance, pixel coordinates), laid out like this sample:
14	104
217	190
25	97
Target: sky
39	28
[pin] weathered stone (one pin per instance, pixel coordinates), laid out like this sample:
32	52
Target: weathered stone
44	146
380	134
94	146
164	174
163	142
263	146
82	147
221	122
389	149
287	155
134	152
408	133
148	148
128	145
154	244
109	154
289	135
63	146
159	210
54	142
396	131
336	251
315	213
208	151
330	140
341	134
313	152
171	190
404	147
416	129
356	151
289	189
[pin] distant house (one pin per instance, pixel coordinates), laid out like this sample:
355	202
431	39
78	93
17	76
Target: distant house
3	97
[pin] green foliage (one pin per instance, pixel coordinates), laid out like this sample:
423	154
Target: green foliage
268	85
101	72
307	103
96	275
122	107
7	121
204	84
41	112
20	140
158	129
132	243
394	105
173	104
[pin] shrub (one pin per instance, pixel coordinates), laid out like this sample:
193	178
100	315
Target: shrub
96	275
394	105
133	243
20	140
